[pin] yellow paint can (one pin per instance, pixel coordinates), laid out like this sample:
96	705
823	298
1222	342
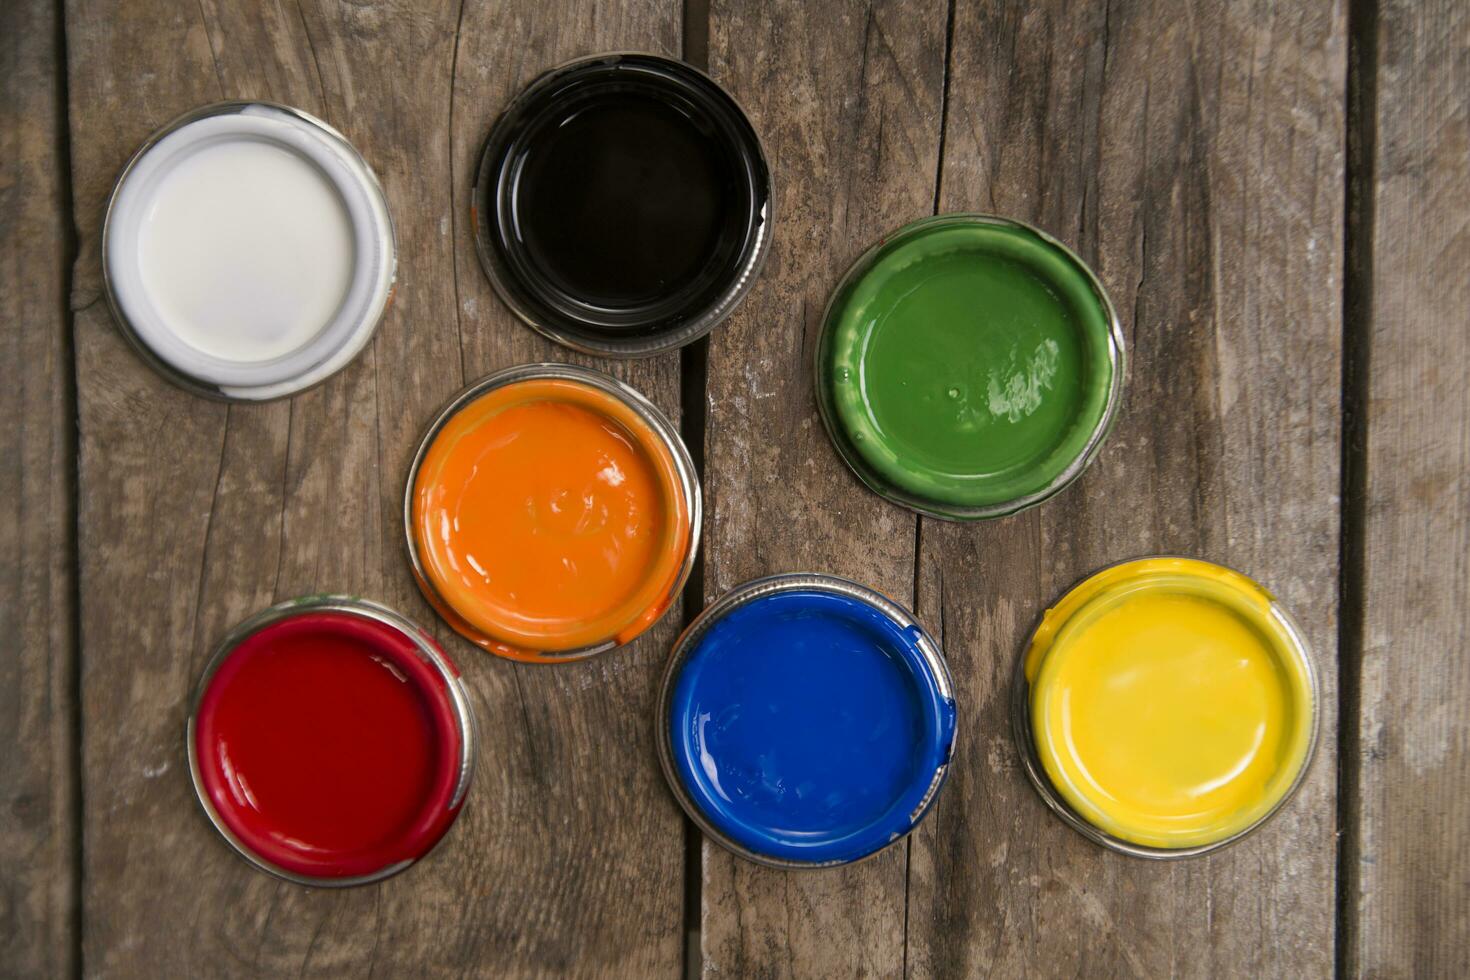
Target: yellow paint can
1166	706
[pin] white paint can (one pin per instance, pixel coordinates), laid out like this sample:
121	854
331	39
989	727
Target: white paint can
248	252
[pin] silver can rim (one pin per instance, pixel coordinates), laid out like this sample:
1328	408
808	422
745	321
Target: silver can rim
1031	760
701	326
168	372
427	650
750	591
1117	356
606	383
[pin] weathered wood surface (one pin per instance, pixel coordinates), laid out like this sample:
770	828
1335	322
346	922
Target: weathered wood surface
37	660
1197	160
1194	156
847	101
581	822
1407	876
568	856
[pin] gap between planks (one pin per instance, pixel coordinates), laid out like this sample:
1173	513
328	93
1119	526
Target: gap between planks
1358	200
72	518
693	402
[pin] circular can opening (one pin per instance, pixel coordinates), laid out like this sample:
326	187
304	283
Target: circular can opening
806	721
1166	706
248	253
552	513
622	205
969	366
330	741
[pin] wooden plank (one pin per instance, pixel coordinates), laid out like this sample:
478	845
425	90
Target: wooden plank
602	851
37	673
193	514
1407	868
1193	153
847	102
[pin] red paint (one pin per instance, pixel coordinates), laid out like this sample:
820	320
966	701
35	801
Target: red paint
328	747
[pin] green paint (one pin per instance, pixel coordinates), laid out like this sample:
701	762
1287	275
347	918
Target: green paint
969	366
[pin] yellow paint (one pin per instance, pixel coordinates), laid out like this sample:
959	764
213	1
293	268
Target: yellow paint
1170	705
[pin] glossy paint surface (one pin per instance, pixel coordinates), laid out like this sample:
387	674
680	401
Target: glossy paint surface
968	362
807	726
626	200
622	204
327	747
1168	706
549	516
247	250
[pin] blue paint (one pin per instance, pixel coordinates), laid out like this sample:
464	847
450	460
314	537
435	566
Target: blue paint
808	726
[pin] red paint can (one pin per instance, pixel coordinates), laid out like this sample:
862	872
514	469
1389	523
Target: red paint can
331	742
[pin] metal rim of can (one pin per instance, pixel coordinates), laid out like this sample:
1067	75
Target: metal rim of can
750	591
1117	355
659	423
427	650
335	361
486	192
1031	761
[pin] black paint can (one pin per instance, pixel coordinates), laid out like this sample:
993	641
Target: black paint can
622	205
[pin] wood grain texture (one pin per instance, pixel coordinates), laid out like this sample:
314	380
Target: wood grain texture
193	514
600	846
847	99
1193	154
37	667
1409	875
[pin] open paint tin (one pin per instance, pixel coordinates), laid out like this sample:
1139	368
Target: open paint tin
969	366
552	513
1166	707
805	721
330	741
623	205
247	251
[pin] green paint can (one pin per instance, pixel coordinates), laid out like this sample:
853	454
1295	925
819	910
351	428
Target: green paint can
969	366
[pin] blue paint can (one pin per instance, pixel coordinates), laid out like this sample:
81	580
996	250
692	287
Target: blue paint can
806	721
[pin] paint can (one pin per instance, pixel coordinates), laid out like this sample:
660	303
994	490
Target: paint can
805	721
247	251
330	741
551	513
1165	707
622	205
969	366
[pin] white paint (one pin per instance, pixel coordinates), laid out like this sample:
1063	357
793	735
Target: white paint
246	250
249	249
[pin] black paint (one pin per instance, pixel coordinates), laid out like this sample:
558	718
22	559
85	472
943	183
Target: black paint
622	204
626	201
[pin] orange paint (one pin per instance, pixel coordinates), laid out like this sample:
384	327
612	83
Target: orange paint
549	517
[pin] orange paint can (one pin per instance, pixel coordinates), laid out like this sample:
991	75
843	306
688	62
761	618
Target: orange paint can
552	513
